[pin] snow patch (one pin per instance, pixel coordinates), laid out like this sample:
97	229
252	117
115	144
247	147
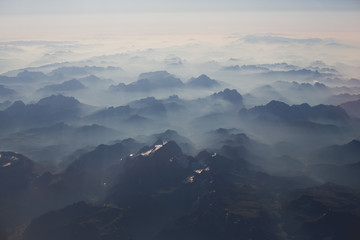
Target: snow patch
189	179
6	164
199	171
151	151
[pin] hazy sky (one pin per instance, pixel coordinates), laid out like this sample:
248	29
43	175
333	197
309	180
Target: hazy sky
69	19
96	6
119	25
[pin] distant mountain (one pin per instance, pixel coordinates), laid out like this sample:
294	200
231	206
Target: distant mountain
296	92
95	82
202	81
301	87
261	67
235	144
284	166
111	114
91	79
6	92
354	90
246	68
231	68
352	108
231	96
24	77
71	85
296	113
337	154
342	98
151	81
346	175
17	174
353	81
4	105
305	74
280	66
64	72
170	135
266	93
47	111
128	119
150	107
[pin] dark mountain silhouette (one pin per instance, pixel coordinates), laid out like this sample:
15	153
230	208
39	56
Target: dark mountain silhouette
80	221
16	172
328	211
90	175
163	194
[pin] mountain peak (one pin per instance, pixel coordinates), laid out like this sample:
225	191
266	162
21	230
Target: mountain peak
156	74
277	104
231	96
58	100
168	150
203	81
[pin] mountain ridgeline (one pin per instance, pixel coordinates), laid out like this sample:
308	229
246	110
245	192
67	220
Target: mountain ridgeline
159	157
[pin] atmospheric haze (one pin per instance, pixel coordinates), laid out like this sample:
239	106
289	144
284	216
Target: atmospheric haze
179	119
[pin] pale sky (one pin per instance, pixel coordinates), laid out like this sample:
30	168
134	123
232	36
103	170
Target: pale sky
69	19
119	25
115	6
